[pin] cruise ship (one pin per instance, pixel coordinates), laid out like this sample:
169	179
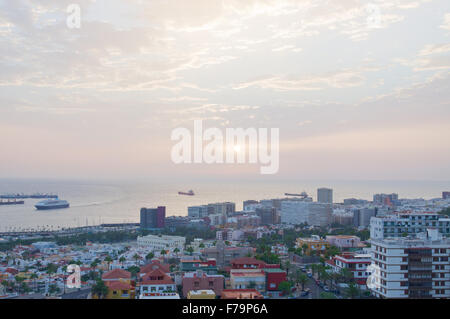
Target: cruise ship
52	204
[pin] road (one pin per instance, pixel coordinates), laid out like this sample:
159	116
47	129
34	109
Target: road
315	289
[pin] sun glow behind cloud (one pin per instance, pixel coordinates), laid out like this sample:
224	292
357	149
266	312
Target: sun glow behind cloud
338	82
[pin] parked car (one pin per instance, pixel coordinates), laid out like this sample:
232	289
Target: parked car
326	288
309	275
304	293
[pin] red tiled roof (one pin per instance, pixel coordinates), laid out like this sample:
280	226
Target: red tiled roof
118	285
117	274
166	281
12	271
156	277
153	266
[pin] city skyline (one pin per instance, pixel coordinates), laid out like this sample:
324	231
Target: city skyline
358	89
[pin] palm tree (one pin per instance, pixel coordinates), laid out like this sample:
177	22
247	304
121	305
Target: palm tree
346	275
34	276
352	291
108	259
176	250
302	279
51	269
304	248
149	256
287	266
136	257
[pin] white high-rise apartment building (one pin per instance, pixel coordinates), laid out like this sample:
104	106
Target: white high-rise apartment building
412	268
407	223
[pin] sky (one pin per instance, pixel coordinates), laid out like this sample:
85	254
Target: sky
358	89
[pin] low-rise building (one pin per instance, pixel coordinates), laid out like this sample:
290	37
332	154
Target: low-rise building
355	263
157	285
312	245
119	284
163	242
201	294
209	266
343	241
241	294
248	279
200	280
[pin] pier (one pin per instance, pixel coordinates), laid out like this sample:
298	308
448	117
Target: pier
26	196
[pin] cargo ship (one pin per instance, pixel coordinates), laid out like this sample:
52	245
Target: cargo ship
12	202
303	194
190	193
52	204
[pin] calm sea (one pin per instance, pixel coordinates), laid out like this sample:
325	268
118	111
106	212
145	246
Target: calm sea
116	202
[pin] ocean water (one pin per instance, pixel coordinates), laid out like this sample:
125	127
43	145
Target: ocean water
94	202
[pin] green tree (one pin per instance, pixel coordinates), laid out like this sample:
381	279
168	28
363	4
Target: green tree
352	291
302	279
285	287
134	270
100	289
136	257
149	256
327	295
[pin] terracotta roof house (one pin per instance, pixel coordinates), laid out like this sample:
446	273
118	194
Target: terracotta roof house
116	274
156	285
247	263
155	264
